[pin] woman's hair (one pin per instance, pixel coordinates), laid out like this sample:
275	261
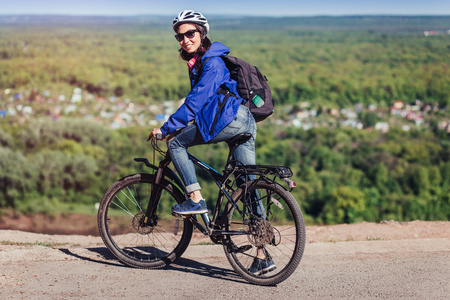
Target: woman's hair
204	46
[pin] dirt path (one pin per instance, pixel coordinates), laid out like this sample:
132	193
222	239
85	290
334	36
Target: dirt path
360	261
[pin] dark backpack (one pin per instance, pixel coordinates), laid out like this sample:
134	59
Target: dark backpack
252	86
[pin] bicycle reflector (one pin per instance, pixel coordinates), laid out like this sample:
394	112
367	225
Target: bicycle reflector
289	182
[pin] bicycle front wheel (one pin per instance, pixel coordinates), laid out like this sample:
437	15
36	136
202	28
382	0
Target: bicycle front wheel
271	226
125	229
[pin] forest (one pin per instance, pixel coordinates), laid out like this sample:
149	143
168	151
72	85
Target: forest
343	174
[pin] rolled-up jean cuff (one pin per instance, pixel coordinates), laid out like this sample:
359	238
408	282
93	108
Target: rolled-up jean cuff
193	187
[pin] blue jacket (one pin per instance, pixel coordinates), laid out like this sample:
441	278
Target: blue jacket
202	103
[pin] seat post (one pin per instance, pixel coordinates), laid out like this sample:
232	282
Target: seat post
234	142
230	154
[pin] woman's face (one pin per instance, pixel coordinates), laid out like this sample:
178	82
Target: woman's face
190	45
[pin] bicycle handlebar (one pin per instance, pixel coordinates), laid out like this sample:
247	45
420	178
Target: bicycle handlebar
154	142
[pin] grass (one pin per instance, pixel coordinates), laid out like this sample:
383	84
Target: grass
351	239
204	244
51	208
43	244
370	238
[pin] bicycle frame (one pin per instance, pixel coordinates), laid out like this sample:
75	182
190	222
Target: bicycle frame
223	182
163	171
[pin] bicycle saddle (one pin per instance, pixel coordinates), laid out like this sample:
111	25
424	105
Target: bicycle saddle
238	139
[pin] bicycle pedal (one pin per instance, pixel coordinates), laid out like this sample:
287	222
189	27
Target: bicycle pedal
178	215
244	248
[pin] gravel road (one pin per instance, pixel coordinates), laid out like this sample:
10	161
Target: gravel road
36	266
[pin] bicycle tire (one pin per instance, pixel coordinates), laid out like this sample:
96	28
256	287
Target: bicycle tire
287	243
147	247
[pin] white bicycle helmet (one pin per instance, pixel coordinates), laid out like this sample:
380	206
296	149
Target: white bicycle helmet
190	16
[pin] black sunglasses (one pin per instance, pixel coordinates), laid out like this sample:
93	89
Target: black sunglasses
189	34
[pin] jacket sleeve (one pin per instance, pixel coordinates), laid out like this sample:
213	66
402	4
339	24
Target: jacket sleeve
212	76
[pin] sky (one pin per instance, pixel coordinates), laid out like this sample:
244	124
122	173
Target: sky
226	7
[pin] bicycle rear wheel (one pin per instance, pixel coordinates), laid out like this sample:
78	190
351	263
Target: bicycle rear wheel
277	230
127	234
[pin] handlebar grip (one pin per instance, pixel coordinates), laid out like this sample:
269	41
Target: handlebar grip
159	136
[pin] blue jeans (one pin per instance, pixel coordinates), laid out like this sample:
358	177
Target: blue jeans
244	153
190	136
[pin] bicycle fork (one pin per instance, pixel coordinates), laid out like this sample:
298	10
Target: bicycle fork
155	195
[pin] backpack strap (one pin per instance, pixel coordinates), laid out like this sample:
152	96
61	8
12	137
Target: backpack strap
227	94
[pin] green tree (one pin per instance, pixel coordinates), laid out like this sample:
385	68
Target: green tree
346	205
369	119
17	177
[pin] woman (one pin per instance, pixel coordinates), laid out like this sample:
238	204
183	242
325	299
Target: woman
209	76
199	121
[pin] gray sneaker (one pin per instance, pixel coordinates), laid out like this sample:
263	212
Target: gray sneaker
262	266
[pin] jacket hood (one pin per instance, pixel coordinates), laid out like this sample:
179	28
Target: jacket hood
216	49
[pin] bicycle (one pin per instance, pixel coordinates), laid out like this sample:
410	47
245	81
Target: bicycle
136	223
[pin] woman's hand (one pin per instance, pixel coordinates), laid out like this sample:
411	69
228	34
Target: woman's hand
157	134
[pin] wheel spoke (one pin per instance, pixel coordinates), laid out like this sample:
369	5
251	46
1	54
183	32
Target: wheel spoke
122	206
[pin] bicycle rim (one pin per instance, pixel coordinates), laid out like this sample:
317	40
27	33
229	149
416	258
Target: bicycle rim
280	235
120	220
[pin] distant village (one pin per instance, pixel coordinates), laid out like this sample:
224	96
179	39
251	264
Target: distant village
119	113
434	32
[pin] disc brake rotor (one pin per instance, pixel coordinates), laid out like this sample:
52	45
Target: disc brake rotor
139	224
